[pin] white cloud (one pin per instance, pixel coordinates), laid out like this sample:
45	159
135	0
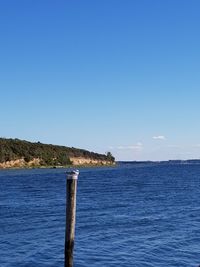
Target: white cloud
159	137
137	147
196	146
139	144
174	146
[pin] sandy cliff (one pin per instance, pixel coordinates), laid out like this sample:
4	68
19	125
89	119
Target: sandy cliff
89	161
20	163
36	162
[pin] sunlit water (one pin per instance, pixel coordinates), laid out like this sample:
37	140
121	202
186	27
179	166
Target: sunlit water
126	216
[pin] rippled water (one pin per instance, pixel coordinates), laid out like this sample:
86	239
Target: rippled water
126	216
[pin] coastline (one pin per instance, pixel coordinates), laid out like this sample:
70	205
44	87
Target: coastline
17	166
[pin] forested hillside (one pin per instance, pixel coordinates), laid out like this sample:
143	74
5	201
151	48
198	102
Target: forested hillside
46	154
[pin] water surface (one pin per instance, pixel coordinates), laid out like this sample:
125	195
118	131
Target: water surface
126	216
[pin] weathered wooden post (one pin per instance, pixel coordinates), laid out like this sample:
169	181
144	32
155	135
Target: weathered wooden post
71	190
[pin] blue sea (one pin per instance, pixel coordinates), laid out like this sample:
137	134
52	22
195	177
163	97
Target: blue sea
131	215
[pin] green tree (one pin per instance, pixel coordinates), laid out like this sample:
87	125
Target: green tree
110	156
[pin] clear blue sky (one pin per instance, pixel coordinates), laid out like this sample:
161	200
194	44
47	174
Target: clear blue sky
104	75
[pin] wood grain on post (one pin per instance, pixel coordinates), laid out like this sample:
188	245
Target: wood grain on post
71	189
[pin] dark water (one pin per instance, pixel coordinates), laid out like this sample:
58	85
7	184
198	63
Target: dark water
126	216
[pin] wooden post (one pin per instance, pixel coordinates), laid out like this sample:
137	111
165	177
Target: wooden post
71	189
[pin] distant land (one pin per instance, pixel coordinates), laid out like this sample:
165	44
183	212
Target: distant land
16	153
176	161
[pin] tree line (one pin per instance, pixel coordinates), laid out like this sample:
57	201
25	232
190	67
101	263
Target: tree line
13	149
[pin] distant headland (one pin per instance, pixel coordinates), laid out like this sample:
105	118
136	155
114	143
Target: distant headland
164	162
16	153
